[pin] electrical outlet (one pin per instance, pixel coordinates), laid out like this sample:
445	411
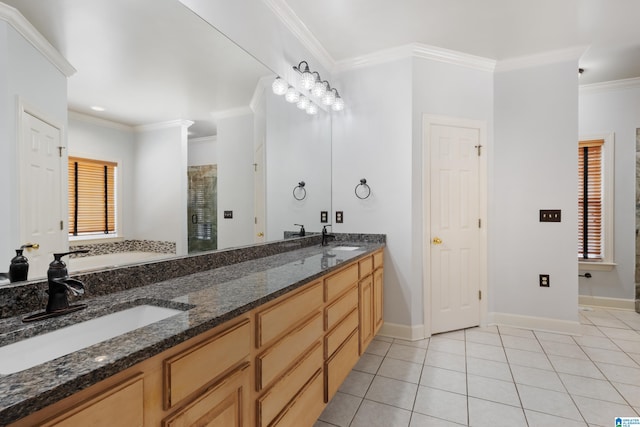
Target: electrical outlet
339	217
550	215
544	280
228	214
324	217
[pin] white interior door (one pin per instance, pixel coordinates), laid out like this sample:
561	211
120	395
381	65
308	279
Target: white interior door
454	226
259	194
41	206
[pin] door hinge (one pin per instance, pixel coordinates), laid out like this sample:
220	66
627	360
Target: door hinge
479	295
479	147
61	225
60	148
479	222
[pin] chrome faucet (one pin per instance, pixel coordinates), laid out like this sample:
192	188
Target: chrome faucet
302	232
326	236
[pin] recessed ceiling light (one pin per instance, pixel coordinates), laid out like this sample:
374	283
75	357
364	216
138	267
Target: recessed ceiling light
97	108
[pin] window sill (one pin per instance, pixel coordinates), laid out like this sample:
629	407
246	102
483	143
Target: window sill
596	266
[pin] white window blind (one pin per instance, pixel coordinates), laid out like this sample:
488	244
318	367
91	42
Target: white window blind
91	196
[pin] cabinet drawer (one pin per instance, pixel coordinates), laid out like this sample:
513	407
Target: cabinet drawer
275	320
192	369
121	405
272	363
340	364
220	405
340	308
272	402
340	333
307	406
378	259
339	282
366	266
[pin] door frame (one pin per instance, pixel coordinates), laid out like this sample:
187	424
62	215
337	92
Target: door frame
429	120
23	108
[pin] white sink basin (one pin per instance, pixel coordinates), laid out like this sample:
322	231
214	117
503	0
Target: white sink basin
346	248
43	348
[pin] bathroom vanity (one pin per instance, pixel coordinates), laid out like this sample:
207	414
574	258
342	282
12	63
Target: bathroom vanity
263	342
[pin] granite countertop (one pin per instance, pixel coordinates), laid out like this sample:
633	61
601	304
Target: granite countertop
208	299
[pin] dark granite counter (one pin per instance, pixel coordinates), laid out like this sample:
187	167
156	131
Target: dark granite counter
208	299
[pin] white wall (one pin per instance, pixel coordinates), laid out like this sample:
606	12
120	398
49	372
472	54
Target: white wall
99	139
298	148
534	167
372	139
160	184
26	75
202	151
616	109
235	180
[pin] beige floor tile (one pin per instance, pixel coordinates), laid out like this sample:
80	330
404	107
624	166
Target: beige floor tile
439	359
622	334
538	419
481	337
400	370
628	346
615	357
444	379
569	365
563	349
531	359
483	413
341	409
410	354
374	414
493	390
620	374
418	343
369	363
537	378
446	345
441	404
379	348
392	392
524	333
489	368
631	393
596	342
520	343
589	387
550	336
357	383
600	412
420	420
485	351
548	401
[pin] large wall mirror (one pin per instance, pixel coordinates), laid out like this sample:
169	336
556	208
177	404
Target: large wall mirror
206	156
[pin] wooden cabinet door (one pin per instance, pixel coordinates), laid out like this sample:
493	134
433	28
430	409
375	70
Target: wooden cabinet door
365	305
378	280
222	405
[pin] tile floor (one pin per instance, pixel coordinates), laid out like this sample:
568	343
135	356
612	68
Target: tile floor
497	376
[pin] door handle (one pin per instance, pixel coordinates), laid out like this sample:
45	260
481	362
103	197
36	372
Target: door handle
194	219
437	241
261	234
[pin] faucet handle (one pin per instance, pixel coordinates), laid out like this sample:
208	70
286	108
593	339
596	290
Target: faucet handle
76	287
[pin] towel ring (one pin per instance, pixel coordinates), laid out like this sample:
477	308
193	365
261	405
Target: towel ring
299	191
362	190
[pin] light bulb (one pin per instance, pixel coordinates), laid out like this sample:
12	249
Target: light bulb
303	102
279	86
338	105
329	98
312	109
319	88
291	95
307	80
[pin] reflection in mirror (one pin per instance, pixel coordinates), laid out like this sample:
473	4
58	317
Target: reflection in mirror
205	154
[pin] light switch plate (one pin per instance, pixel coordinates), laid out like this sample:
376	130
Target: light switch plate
339	217
550	215
324	217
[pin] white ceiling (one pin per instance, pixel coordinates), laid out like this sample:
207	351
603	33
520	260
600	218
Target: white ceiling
494	29
149	61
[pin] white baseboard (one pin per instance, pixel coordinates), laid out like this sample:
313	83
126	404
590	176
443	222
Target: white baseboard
536	323
619	303
404	332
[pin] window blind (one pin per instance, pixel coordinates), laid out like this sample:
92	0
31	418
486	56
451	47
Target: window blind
91	196
590	203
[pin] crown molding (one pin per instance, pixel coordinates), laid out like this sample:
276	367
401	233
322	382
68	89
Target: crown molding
633	83
417	50
538	59
14	18
231	112
293	23
163	125
86	118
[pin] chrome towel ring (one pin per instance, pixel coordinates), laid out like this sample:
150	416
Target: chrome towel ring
299	193
362	190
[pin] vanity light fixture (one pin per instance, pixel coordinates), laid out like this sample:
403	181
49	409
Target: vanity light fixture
312	109
303	102
279	86
329	97
306	76
292	95
319	88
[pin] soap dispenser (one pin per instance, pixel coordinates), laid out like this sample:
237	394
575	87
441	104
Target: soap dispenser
19	268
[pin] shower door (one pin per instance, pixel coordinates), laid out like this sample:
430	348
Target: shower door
202	209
